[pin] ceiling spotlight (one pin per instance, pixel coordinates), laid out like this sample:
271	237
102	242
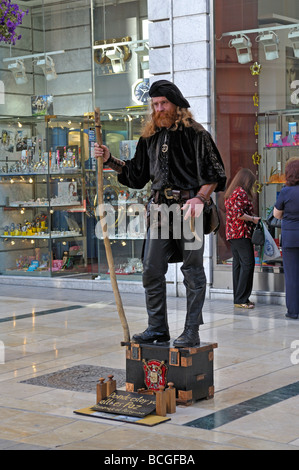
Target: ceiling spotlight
48	67
142	53
116	56
270	42
294	37
243	48
19	72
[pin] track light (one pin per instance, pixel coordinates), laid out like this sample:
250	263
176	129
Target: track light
270	42
243	48
48	67
116	56
142	53
19	72
294	37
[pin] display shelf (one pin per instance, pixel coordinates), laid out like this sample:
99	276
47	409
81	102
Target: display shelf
45	236
280	143
42	196
40	157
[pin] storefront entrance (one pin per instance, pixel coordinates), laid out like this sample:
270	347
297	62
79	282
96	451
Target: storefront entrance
257	113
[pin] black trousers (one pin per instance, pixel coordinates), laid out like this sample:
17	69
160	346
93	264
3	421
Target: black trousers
243	269
157	253
291	274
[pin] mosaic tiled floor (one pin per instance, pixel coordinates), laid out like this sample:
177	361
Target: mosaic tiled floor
81	378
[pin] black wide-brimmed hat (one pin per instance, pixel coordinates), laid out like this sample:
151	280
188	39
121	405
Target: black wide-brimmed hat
170	91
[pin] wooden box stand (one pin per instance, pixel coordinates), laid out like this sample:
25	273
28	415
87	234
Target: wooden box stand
151	366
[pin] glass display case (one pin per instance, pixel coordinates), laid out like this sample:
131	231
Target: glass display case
125	207
49	224
42	196
280	143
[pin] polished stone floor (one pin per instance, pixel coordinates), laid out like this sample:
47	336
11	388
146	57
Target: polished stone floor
47	332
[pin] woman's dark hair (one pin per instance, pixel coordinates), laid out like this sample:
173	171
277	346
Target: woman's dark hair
292	172
245	179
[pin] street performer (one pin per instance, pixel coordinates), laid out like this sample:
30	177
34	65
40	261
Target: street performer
184	166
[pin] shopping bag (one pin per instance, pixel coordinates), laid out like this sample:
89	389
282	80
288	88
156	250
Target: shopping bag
271	250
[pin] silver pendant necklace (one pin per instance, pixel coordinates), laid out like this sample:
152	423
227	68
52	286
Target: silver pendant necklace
164	148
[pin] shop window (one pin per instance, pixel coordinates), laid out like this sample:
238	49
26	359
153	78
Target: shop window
257	111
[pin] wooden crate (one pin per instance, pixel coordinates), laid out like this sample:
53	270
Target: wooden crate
191	370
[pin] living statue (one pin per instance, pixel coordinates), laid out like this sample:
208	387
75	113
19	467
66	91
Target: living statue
184	166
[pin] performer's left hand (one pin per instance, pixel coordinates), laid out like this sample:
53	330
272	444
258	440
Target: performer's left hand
193	208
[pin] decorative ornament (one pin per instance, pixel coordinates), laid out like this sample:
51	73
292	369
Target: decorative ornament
257	187
155	374
255	100
11	16
256	68
256	128
256	158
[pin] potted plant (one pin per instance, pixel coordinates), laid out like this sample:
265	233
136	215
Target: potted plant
11	16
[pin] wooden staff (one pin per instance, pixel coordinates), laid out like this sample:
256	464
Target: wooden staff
108	250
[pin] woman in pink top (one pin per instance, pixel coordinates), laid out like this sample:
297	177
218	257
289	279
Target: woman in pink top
239	228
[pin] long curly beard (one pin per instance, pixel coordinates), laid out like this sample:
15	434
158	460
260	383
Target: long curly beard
164	118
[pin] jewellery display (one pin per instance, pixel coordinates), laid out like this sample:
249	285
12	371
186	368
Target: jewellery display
42	196
44	202
132	266
48	197
57	162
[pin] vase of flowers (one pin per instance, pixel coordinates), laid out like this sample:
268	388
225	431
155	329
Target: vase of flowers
11	16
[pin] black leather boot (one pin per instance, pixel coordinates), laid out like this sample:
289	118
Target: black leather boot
149	336
154	283
189	338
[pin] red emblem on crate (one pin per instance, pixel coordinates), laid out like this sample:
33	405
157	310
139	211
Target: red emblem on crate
155	374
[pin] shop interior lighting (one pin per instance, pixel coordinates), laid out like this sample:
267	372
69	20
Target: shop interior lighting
17	67
113	51
294	38
142	52
19	72
116	56
270	42
242	45
48	67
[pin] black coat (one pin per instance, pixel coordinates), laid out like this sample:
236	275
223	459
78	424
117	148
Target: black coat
192	160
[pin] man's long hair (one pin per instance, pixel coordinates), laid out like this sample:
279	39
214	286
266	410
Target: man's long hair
183	115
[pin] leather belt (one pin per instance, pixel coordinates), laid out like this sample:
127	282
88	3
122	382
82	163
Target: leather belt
173	194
